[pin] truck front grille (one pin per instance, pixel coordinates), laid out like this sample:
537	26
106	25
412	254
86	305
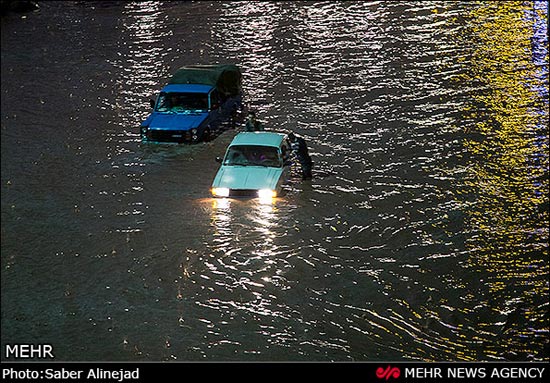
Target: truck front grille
169	135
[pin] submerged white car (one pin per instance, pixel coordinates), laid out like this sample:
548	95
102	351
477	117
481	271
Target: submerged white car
256	164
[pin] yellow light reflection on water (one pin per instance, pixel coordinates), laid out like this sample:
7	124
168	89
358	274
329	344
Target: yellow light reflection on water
509	174
507	182
261	212
244	245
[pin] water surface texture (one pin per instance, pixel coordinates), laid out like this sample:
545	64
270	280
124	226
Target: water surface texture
423	235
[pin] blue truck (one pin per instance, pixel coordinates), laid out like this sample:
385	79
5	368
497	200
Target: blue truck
195	104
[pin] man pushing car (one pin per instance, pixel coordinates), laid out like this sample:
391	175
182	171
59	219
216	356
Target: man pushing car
299	147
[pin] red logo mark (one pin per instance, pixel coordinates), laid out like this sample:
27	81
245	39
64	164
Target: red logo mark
389	372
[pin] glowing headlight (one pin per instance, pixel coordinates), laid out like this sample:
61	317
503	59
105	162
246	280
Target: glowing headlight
267	193
220	192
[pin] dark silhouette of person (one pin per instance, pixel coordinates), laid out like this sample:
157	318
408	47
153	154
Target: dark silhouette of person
299	147
252	124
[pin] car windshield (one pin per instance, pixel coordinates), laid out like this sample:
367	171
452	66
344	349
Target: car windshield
252	155
182	102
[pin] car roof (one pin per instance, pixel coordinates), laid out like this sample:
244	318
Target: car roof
188	88
259	138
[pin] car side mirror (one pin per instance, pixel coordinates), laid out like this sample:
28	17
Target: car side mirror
152	103
219	159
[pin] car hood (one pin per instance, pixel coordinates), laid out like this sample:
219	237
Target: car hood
162	121
247	177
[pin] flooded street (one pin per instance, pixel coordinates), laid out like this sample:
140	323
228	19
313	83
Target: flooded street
422	236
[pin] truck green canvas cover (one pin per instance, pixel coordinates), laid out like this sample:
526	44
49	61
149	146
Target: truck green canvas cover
225	77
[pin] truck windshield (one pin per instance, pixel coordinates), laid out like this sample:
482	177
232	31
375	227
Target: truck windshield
253	155
182	102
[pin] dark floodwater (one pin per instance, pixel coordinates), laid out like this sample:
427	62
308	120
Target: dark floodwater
423	236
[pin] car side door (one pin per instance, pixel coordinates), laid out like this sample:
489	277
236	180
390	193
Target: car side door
214	106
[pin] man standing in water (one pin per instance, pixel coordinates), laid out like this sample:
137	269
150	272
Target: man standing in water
253	125
299	147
